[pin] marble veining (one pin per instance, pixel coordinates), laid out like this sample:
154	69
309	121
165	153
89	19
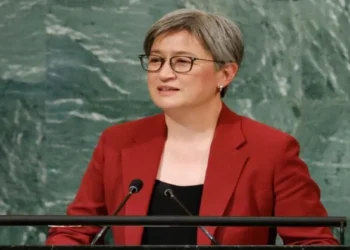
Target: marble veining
69	69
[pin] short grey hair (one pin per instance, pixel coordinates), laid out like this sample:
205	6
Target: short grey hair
219	35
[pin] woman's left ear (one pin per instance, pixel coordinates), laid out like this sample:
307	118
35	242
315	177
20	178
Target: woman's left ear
229	71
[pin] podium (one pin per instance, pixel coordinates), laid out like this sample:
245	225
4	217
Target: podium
232	221
175	247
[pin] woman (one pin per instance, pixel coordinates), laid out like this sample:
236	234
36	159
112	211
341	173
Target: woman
217	162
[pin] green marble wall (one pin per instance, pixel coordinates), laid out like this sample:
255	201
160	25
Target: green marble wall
69	68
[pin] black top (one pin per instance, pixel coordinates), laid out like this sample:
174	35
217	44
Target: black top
190	197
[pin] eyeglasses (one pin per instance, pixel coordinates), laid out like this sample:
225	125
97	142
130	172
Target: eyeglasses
180	64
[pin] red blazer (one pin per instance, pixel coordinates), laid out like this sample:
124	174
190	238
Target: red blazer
253	170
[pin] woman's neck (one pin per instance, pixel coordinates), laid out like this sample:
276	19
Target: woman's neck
193	124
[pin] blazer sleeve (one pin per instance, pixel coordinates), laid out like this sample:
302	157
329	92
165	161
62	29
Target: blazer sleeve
89	200
296	194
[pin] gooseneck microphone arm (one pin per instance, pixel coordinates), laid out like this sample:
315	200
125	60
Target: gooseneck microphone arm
134	187
169	193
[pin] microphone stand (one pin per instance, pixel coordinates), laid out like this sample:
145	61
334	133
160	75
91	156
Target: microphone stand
170	194
132	190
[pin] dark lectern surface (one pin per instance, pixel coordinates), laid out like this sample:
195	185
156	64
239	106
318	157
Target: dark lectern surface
175	247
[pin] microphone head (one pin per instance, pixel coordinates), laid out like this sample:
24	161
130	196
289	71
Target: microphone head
168	192
135	185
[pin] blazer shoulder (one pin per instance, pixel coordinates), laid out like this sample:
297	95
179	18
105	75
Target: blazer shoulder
269	144
256	131
122	133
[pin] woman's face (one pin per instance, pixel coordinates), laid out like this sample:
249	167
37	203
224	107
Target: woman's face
169	89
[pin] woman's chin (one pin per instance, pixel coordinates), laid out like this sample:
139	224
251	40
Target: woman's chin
167	105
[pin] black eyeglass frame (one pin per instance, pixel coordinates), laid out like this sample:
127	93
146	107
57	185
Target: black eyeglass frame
163	60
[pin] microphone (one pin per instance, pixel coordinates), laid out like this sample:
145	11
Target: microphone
134	187
169	193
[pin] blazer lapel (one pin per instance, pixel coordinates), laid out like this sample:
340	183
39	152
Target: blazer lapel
140	160
225	165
